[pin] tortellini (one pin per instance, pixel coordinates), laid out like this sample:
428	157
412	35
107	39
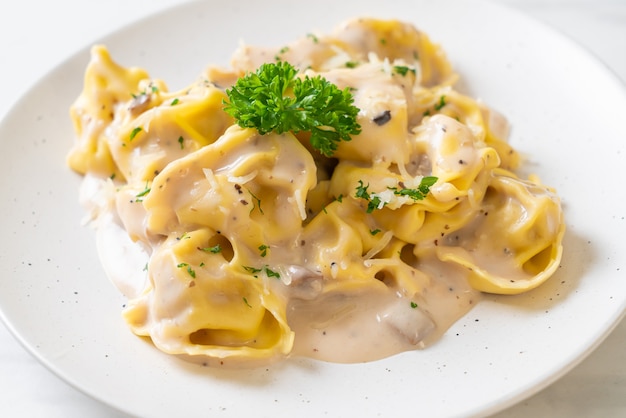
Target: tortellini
257	247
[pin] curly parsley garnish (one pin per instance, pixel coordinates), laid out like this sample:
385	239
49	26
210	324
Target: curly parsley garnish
274	99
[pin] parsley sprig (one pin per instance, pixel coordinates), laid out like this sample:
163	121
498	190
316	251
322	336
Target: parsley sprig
274	99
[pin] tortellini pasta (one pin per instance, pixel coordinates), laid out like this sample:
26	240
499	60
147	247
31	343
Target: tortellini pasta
251	248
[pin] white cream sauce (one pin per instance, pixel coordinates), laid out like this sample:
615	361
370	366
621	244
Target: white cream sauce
334	327
373	325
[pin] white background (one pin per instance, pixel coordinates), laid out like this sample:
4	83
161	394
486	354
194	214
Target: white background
37	35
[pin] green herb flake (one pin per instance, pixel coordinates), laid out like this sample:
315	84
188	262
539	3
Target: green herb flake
213	250
139	196
181	141
263	248
362	193
441	103
246	302
420	192
271	273
374	231
175	102
190	271
403	70
413	305
273	99
256	204
265	269
134	132
252	270
313	38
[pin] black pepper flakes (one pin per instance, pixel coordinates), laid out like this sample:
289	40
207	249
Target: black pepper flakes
383	118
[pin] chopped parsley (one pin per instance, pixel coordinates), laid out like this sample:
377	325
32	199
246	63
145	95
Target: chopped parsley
403	70
265	269
372	202
191	271
139	196
134	132
214	249
252	270
312	37
257	203
421	191
441	103
271	273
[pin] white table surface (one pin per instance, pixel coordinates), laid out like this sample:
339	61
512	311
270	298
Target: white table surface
36	35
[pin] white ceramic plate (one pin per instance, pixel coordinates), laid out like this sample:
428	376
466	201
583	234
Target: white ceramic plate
567	112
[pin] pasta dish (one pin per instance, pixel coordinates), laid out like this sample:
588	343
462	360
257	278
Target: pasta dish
365	227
